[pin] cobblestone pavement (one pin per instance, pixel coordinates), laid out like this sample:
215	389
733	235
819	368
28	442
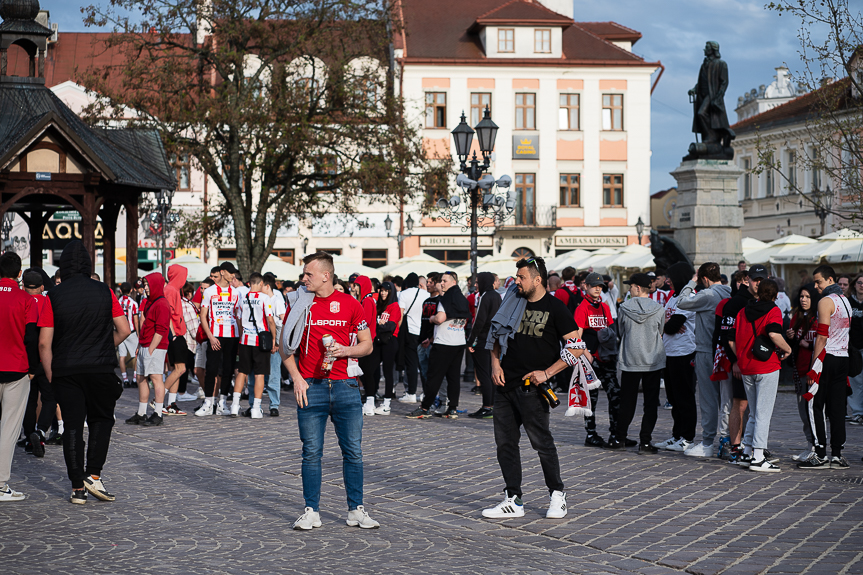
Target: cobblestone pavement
219	495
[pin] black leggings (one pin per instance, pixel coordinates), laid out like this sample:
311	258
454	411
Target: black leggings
629	381
444	361
40	385
386	353
680	391
221	362
482	365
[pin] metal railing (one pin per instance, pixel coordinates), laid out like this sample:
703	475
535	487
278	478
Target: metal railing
529	216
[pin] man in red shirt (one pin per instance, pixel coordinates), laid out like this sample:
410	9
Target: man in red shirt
17	362
325	385
36	431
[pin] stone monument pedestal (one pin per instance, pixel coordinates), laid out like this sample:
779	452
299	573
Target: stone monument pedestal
708	218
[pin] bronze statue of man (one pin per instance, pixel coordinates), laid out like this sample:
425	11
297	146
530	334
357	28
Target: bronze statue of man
711	120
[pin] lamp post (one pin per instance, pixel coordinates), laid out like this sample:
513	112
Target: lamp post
639	229
477	187
166	219
823	205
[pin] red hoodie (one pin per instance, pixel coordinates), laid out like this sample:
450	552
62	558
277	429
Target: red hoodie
157	314
370	308
174	294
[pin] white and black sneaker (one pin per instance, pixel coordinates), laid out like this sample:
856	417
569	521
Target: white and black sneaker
815	462
557	506
763	465
9	494
97	489
838	462
509	507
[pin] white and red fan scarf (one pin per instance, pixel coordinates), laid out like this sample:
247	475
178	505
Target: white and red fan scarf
817	366
583	380
721	365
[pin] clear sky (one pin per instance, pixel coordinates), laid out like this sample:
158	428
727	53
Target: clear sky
753	42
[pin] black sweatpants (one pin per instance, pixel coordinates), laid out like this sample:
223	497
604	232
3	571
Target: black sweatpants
629	382
90	397
444	361
184	379
482	365
39	385
680	391
382	353
831	399
523	407
606	372
412	360
221	362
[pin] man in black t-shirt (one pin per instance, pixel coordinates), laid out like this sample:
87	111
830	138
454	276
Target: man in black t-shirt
534	353
427	329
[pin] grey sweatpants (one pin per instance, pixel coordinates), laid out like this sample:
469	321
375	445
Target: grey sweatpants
714	397
761	394
13	397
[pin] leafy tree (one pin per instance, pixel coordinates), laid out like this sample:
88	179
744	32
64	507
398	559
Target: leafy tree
287	105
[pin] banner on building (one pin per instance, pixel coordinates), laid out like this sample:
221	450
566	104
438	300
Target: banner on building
454	241
590	241
525	147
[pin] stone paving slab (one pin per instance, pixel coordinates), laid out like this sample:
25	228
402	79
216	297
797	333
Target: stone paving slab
219	495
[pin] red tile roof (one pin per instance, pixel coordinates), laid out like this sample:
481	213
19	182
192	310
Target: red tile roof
442	31
522	12
836	95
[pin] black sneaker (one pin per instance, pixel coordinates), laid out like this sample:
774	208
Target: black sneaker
647	449
743	460
815	462
244	396
482	413
247	412
593	440
57	439
770	457
79	496
836	462
449	414
629	442
476	390
613	443
154	420
28	447
273	412
136	419
419	413
37	443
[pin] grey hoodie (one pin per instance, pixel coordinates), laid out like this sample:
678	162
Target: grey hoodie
640	320
703	303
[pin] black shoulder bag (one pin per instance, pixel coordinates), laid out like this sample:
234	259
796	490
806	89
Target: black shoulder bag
762	346
265	338
855	360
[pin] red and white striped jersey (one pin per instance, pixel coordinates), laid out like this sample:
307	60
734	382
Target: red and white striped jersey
258	304
130	309
221	304
660	296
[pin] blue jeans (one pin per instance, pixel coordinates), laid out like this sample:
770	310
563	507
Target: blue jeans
339	400
274	380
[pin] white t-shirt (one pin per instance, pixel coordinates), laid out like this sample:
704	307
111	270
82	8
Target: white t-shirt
242	290
278	308
256	303
450	332
415	313
679	343
222	303
611	300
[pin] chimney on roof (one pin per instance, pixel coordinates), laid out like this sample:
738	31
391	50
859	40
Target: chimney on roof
563	7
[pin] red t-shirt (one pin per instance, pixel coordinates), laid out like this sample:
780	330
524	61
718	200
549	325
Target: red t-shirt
471	306
744	339
393	313
17	309
338	315
592	318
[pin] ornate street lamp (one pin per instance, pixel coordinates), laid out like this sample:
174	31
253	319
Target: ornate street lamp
639	229
479	189
388	224
823	205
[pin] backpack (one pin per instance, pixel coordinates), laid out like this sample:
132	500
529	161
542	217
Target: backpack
574	299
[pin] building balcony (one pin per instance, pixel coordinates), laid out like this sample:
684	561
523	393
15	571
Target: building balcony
528	216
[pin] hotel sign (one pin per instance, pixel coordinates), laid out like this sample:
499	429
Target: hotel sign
590	241
525	147
454	241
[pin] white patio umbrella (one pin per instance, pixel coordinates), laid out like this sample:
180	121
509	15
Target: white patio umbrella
632	257
599	260
785	245
848	247
420	264
573	259
282	269
198	268
346	266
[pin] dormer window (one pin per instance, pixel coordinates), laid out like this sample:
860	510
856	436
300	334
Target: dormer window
542	41
506	40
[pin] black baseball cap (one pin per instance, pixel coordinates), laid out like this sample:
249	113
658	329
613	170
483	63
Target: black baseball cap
353	278
641	280
593	279
32	279
758	272
228	267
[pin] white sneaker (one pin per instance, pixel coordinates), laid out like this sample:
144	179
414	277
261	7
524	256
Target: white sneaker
664	444
235	409
382	410
680	445
9	494
408	398
257	413
763	466
557	506
359	517
204	410
699	450
220	408
186	397
200	393
509	507
804	455
309	519
368	408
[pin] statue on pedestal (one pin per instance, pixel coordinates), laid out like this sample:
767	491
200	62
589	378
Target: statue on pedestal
711	119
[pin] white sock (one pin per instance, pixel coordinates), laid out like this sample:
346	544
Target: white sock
125	377
747	450
172	398
370	401
209	400
757	454
257	403
386	402
222	400
59	427
142	409
159	407
236	400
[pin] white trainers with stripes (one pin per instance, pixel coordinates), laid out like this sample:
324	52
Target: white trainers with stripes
509	507
557	506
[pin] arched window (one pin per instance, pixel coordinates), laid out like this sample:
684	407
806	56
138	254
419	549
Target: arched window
522	253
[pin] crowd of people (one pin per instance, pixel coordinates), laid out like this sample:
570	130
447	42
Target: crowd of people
329	342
